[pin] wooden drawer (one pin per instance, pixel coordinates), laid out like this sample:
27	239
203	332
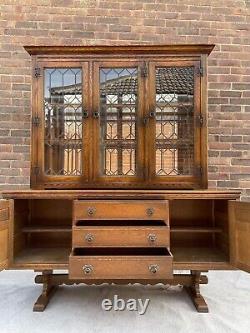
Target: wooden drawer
121	236
121	263
121	209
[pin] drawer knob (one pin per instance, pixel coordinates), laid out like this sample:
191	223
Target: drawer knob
153	268
152	238
91	211
89	238
150	211
88	269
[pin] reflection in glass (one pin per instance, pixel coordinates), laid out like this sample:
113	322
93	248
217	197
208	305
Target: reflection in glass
174	121
63	121
118	116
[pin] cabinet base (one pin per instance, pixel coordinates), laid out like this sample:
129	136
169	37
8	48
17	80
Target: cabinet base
191	282
194	293
49	288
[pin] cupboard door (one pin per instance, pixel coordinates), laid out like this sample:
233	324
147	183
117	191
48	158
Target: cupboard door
61	125
118	123
239	217
174	123
4	233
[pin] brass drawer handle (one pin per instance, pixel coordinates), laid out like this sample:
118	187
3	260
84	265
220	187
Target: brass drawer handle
152	238
89	238
153	268
88	269
150	211
91	211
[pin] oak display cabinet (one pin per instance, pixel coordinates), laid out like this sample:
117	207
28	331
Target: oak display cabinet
119	174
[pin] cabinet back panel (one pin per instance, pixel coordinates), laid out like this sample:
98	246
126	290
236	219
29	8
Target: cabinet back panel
49	240
191	213
222	221
51	212
42	212
21	218
191	239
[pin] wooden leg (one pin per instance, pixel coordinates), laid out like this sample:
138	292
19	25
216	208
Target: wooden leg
48	291
50	282
194	293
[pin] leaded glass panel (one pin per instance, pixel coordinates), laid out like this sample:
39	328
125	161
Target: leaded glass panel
174	112
63	121
118	121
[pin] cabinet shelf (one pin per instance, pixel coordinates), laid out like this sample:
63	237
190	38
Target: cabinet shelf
43	256
198	255
41	228
195	230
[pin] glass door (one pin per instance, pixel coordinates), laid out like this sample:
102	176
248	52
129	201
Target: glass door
118	123
62	144
173	131
118	156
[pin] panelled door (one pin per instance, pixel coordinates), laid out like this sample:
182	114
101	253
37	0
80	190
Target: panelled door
4	233
118	133
173	123
61	124
239	217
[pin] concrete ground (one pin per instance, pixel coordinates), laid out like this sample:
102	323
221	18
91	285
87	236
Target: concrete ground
77	309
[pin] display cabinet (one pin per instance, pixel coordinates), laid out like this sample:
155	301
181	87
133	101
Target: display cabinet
119	117
119	174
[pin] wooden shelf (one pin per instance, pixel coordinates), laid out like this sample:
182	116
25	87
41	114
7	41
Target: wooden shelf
196	230
198	255
43	256
47	229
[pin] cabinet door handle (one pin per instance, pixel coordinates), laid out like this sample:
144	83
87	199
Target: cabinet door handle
150	211
89	238
153	268
96	115
151	115
152	238
85	114
87	269
91	211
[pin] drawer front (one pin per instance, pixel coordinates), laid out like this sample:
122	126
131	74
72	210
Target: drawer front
120	267
121	236
121	209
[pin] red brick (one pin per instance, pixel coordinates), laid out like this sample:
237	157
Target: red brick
233	138
236	161
228	184
230	93
119	28
230	108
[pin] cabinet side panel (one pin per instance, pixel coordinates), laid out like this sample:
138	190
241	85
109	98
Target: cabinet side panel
4	233
239	217
221	239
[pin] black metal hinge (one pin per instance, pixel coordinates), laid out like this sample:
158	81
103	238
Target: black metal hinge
199	171
37	72
200	71
144	70
36	170
200	120
35	121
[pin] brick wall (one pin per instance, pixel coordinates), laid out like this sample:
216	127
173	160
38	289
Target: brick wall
225	23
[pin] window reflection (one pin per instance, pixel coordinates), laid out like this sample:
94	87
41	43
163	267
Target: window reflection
63	121
174	121
118	108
